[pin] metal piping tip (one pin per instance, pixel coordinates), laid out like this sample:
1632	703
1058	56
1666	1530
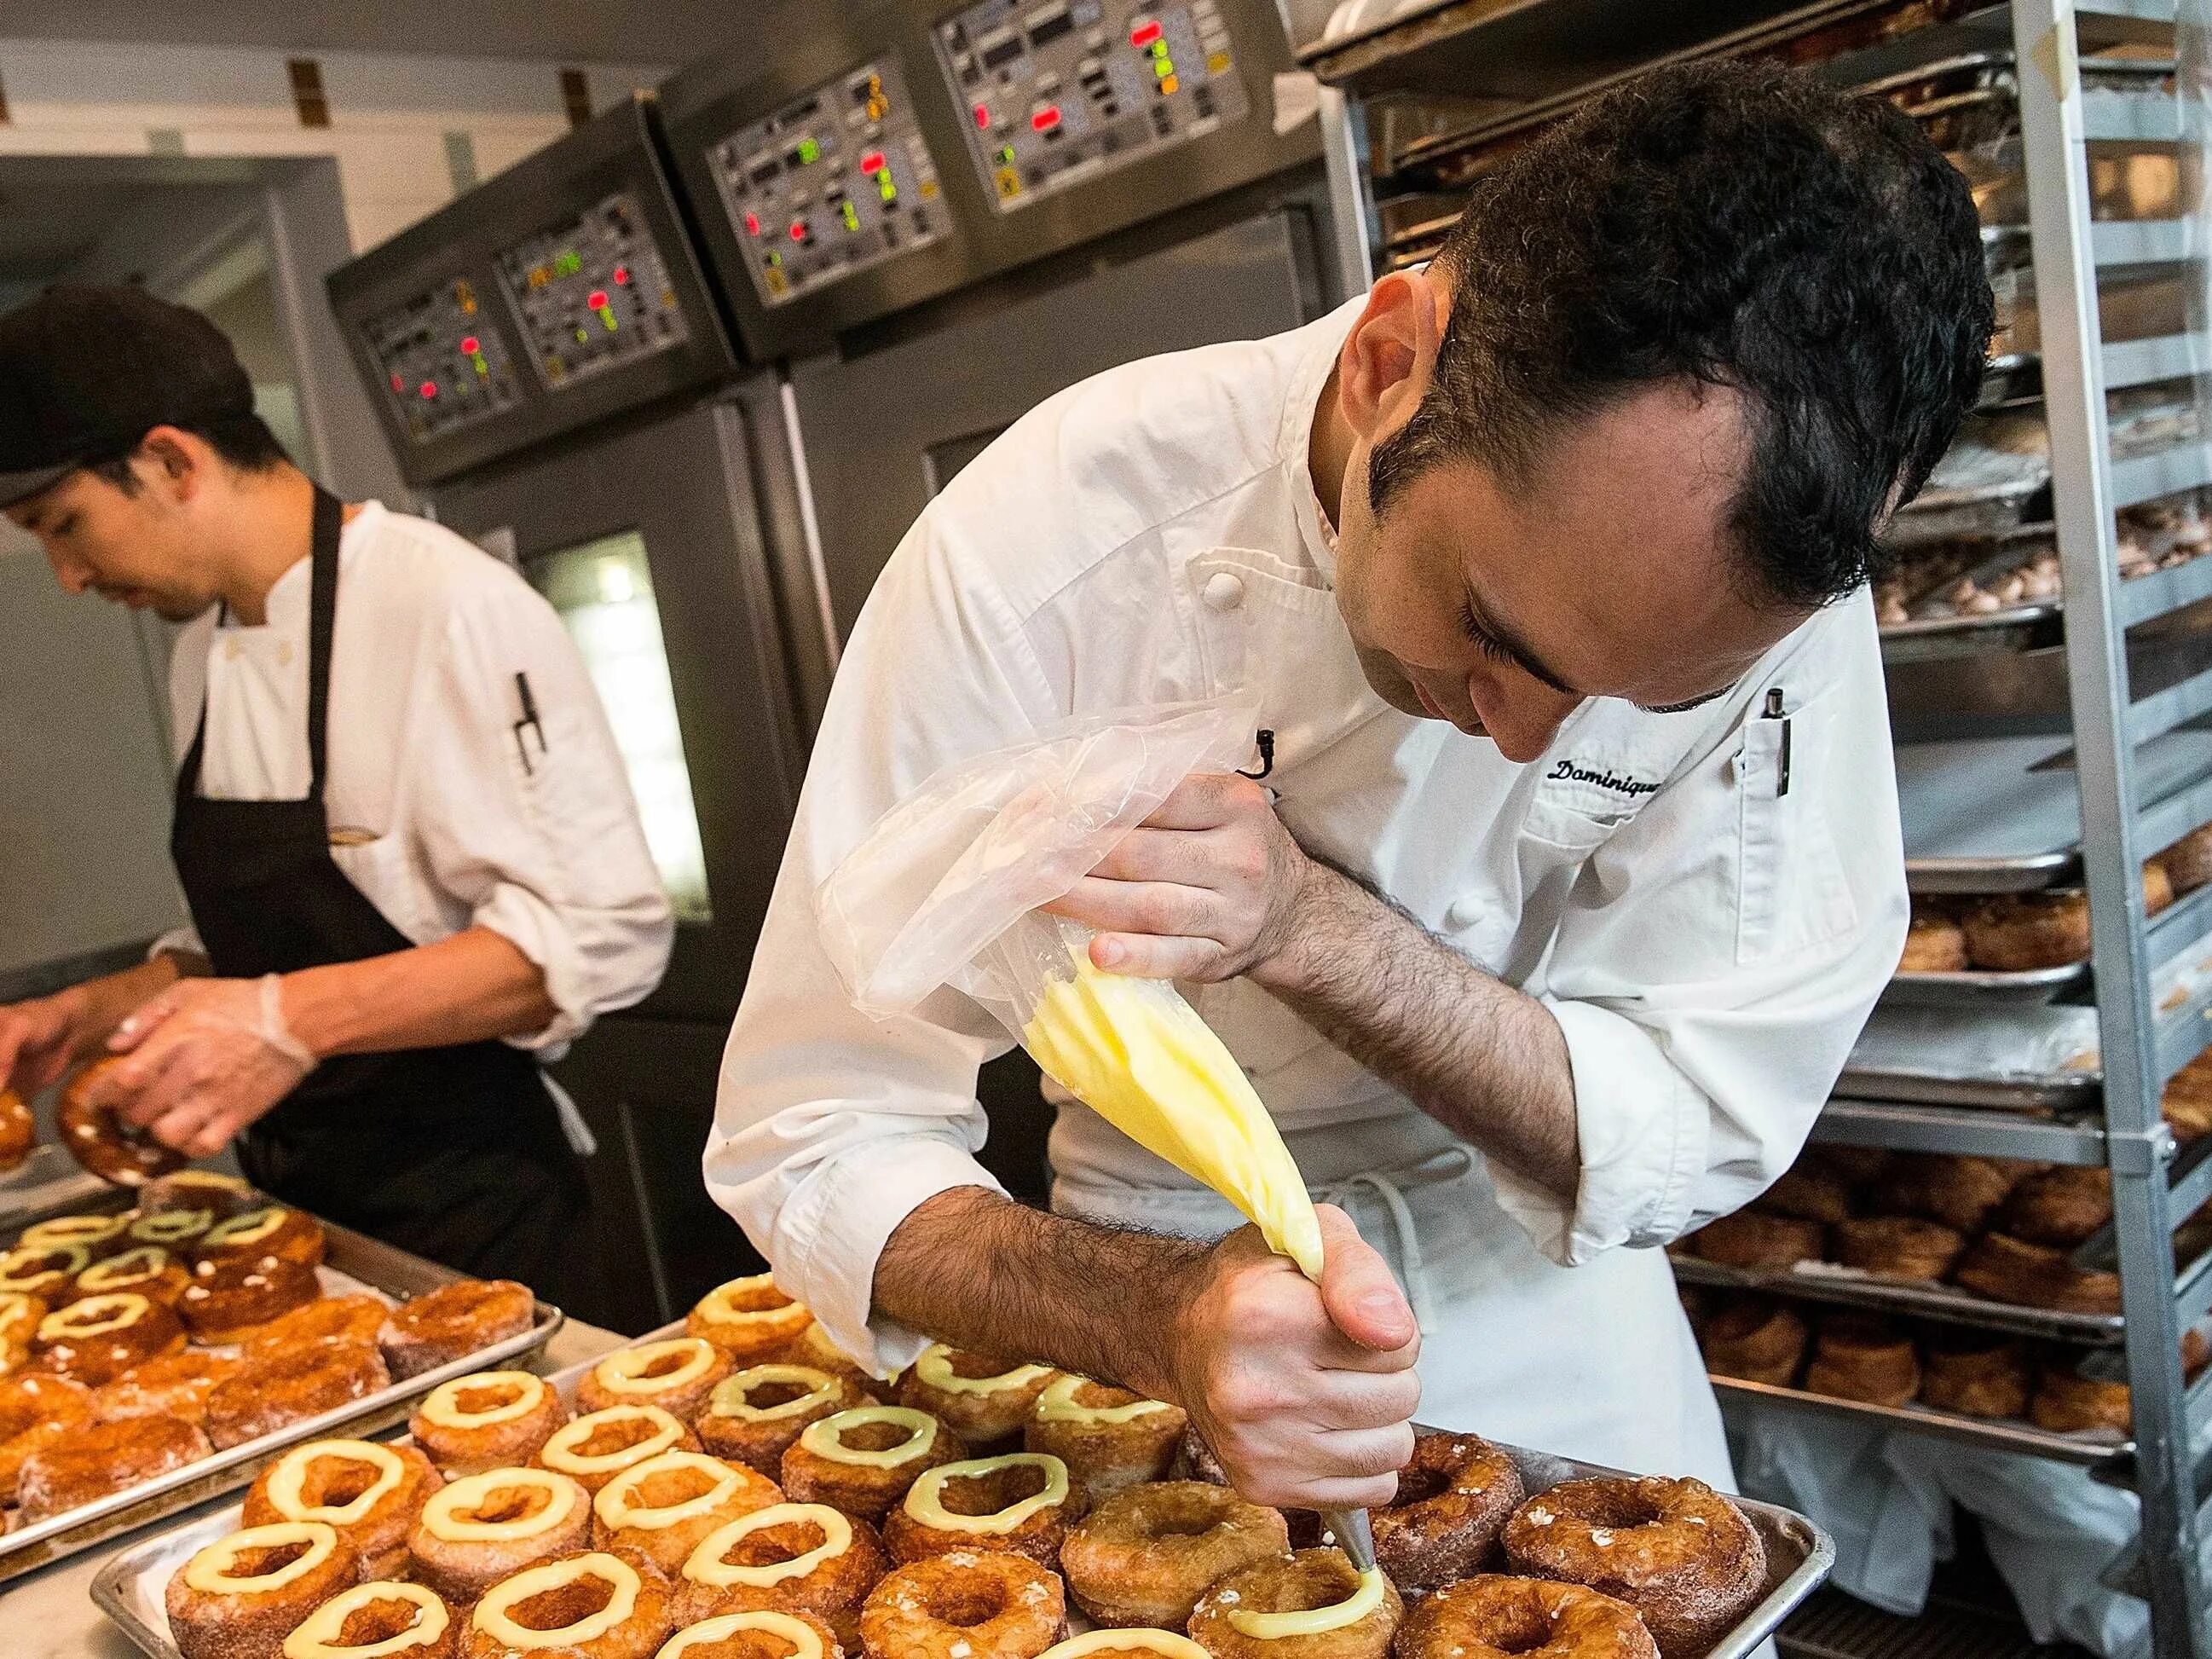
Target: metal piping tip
1353	1536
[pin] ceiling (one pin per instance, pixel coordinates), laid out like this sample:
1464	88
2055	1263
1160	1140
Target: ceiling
54	209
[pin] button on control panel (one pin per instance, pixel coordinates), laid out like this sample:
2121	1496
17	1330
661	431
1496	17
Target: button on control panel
593	293
442	364
1059	91
834	182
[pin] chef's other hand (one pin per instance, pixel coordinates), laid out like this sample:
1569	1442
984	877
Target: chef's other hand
1205	889
1305	1392
203	1059
41	1038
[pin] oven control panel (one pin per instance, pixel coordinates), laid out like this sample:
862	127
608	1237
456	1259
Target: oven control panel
1055	92
442	364
593	292
838	179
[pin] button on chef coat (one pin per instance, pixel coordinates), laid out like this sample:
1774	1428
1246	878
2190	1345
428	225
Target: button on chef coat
433	814
1709	942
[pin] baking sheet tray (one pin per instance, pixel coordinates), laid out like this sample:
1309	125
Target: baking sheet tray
47	1182
2014	1057
1825	1281
353	1261
2086	1450
1978	989
130	1590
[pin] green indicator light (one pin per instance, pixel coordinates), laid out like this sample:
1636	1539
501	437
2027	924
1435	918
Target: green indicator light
1006	155
607	316
775	258
809	152
850	214
483	372
890	190
1159	48
582	339
1162	68
568	263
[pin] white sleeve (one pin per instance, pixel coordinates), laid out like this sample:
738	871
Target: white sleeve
550	855
1718	960
830	1126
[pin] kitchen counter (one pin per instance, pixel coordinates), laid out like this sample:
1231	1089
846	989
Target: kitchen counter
50	1615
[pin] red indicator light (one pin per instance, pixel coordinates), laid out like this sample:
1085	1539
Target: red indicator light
1046	119
982	115
430	389
872	162
471	345
1145	33
398	384
621	276
752	224
799	230
598	301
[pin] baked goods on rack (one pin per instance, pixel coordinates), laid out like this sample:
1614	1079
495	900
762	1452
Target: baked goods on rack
2009	1269
474	1532
985	1400
1496	1614
384	1619
2067	1402
1897	1246
2188	862
798	1557
19	1315
35	1408
88	1462
815	1349
2186	1104
171	1230
271	1231
1755	1338
590	1604
1962	1193
1935	942
1311	1605
755	1414
48	1274
1749	1239
354	1319
487	1420
369	1493
175	1385
1452	1501
1814	1188
147	1269
1676	1551
662	1508
101	1141
239	1597
749	1319
217	1195
761	1635
19	1131
272	1391
967	1605
1146	1553
1021	1503
1861	1356
2021	932
2062	1206
96	1339
1976	1373
453	1321
593	1449
863	1460
678	1375
100	1236
230	1301
1108	1437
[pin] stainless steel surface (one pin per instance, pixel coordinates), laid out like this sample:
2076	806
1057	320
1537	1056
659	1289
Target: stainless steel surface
365	1262
1828	1283
47	1182
1968	1131
1977	988
1351	1532
2001	1433
2026	873
2058	1092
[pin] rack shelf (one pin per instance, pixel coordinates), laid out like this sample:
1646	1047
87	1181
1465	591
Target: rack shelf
2004	1434
1966	1131
1914	1301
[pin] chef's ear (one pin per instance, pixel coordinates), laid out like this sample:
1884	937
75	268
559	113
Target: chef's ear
178	460
1391	355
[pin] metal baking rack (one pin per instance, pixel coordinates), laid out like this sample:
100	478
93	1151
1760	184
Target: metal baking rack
2072	750
2013	1434
1915	1299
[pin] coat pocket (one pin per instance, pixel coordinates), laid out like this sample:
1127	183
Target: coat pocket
1791	890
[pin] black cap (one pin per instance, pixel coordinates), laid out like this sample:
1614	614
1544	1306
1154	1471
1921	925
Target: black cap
87	372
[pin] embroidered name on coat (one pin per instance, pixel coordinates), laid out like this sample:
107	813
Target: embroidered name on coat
1567	771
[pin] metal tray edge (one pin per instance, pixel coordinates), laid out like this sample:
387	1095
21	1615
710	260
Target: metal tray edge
2002	1432
1917	1301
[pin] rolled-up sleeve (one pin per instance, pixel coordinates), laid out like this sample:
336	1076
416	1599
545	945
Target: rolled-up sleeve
1720	954
831	1126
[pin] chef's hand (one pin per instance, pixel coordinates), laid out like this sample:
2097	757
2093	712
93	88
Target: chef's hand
1208	887
1306	1392
202	1060
39	1039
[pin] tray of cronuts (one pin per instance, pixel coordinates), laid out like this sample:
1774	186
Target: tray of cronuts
153	1357
734	1487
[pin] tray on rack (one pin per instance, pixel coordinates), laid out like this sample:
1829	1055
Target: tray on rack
1978	988
47	1184
352	1263
2017	1057
1825	1281
130	1589
2088	1449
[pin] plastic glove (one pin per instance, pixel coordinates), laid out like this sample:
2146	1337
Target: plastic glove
203	1059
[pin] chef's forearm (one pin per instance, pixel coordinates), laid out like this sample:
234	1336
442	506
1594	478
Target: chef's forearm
472	986
1487	1061
975	1268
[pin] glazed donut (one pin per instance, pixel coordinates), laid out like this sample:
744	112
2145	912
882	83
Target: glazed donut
1132	1643
91	1461
863	1460
1452	1501
243	1594
800	1557
275	1390
1021	1503
453	1321
96	1338
1897	1246
755	1414
1676	1551
2022	931
678	1375
1978	1373
1756	1339
480	1528
218	1194
592	1449
35	1407
1748	1239
1108	1437
969	1602
368	1493
1933	943
1145	1555
99	1236
1812	1189
381	1620
1961	1193
355	1319
170	1230
96	1138
983	1400
592	1604
148	1269
49	1274
2067	1402
175	1385
19	1131
2062	1206
1311	1605
1492	1615
1860	1357
761	1634
748	1319
489	1420
661	1508
2036	1276
288	1235
230	1301
815	1349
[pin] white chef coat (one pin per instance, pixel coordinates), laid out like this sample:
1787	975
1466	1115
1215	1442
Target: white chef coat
433	814
1709	943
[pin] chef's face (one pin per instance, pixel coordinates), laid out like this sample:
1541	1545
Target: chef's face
139	547
1501	602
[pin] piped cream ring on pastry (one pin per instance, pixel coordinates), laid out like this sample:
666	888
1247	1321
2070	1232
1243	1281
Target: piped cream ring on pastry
95	1315
620	1373
494	1613
822	1437
121	1271
935	1367
1164	1642
167	1227
322	1635
209	1571
243	1231
787	1320
618	1506
88	1230
559	1450
1058	1404
287	1478
806	1643
442	1514
729	1398
925	1499
1314	1621
442	1406
705	1564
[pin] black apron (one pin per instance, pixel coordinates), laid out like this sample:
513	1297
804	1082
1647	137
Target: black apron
454	1153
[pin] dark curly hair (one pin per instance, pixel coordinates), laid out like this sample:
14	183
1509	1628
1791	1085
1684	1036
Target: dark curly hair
1744	226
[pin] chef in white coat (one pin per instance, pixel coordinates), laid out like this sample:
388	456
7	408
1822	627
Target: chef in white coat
1578	866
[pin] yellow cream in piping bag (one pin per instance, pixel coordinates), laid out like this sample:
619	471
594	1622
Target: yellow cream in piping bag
1139	1055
